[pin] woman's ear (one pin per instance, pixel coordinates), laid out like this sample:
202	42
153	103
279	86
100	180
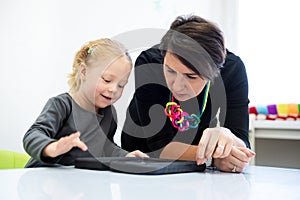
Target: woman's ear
83	71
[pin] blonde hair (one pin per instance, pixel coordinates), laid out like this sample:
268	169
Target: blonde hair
97	50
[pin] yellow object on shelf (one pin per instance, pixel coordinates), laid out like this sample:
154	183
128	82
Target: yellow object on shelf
282	109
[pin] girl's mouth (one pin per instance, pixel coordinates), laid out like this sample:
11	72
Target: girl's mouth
106	97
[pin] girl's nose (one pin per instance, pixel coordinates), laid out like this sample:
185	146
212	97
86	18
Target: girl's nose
112	88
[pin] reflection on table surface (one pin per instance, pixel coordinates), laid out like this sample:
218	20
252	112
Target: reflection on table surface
77	184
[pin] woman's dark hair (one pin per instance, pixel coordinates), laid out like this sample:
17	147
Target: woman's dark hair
197	43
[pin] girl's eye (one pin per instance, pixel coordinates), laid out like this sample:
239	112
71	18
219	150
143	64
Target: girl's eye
122	85
105	80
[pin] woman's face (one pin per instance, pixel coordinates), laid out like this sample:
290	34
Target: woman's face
183	82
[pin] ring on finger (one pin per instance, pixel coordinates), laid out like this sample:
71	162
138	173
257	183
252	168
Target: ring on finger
234	169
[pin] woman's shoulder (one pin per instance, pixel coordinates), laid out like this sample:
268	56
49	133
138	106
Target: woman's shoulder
233	67
232	60
234	74
151	55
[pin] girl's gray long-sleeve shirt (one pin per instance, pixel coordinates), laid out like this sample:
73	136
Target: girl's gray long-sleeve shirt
61	117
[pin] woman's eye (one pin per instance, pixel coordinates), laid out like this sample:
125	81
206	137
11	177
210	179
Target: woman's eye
191	77
171	71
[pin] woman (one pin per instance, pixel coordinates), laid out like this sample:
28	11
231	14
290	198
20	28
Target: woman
203	99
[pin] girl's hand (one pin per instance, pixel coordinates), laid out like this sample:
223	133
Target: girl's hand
137	153
63	145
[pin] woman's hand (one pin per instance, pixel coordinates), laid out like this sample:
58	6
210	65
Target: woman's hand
137	153
63	145
237	160
215	142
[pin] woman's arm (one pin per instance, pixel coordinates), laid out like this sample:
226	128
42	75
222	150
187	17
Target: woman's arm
182	151
179	151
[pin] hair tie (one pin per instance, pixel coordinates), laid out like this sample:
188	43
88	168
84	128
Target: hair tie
91	49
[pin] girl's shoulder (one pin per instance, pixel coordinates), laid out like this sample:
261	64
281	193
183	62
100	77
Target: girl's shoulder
64	97
61	102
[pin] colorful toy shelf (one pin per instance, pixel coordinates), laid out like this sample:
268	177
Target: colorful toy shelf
276	112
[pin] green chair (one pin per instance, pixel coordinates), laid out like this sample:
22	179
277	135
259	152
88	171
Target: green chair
11	159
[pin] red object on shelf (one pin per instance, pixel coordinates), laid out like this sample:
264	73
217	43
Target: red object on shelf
271	117
252	110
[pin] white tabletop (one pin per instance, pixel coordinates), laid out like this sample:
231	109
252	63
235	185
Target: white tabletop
68	183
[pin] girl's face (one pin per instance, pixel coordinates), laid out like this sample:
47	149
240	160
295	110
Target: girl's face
103	85
183	82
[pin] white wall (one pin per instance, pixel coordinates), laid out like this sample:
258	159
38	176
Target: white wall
39	38
269	45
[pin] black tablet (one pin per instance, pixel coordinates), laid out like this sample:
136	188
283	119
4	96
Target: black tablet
134	165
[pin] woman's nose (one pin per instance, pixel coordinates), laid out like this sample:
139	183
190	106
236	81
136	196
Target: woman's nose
178	83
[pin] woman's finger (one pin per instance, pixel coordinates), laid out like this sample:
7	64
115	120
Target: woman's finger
247	151
225	142
219	150
200	154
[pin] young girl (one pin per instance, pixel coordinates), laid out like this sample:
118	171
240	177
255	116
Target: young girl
82	123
